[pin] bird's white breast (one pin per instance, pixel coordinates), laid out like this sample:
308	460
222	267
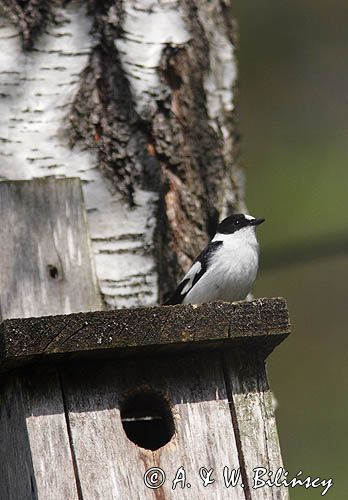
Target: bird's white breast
232	270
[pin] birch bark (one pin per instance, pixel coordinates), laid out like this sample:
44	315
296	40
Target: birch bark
135	97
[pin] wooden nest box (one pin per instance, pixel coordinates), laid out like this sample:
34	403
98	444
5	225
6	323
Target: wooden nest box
90	402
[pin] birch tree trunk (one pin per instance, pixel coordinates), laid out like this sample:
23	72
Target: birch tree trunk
135	97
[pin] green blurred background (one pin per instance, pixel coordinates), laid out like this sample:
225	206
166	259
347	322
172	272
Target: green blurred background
293	67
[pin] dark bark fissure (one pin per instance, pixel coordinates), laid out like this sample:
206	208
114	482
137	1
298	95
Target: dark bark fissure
103	115
30	16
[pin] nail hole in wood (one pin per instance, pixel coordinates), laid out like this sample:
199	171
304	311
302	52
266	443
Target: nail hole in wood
147	419
52	271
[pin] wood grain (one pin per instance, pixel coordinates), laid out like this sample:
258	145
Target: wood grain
46	268
35	456
263	323
110	466
252	410
17	477
44	250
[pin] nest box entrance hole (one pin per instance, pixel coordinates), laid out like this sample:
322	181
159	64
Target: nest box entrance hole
147	419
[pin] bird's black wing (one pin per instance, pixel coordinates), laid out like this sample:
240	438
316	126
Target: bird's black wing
196	271
177	297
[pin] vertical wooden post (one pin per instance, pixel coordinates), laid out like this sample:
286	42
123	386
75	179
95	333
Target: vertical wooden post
46	268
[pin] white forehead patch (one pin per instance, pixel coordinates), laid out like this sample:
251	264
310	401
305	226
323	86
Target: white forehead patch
249	217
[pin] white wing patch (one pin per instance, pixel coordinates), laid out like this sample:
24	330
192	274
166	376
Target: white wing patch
193	271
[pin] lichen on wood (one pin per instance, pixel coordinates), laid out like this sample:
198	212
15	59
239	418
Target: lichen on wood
260	325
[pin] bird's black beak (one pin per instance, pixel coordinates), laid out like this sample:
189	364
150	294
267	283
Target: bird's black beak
256	222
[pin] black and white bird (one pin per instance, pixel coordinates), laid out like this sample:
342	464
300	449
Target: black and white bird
226	269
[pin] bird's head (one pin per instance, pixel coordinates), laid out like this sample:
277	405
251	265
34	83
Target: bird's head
238	222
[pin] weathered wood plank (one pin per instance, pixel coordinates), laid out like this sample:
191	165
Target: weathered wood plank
17	478
262	322
254	422
35	457
44	250
45	269
110	466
